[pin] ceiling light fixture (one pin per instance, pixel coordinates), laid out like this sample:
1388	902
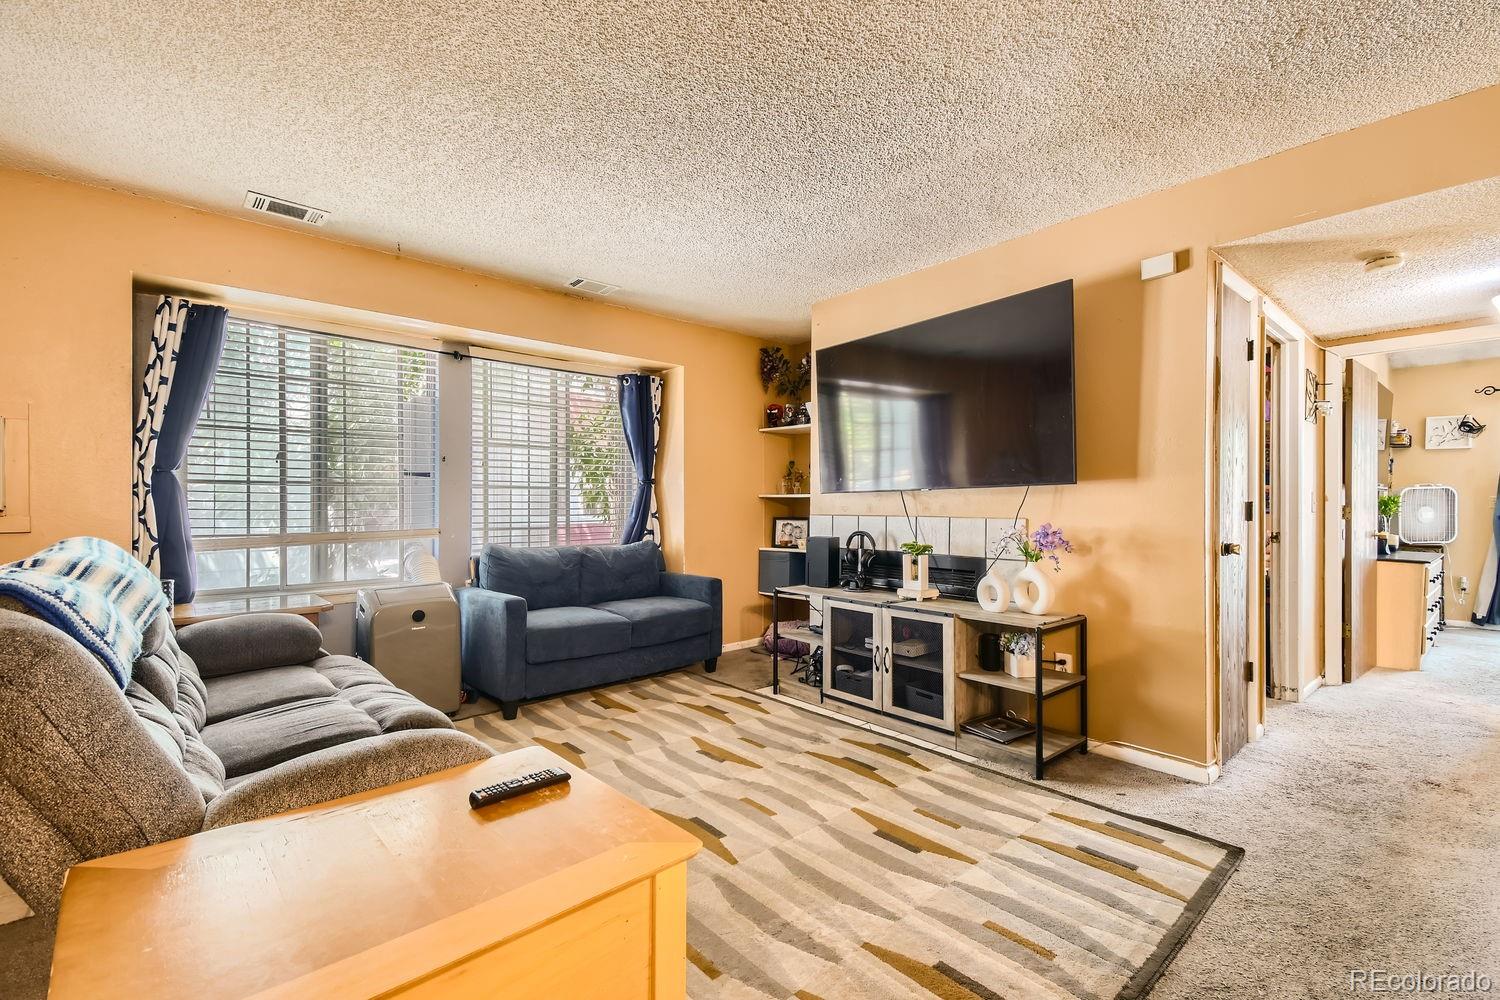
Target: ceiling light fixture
1384	261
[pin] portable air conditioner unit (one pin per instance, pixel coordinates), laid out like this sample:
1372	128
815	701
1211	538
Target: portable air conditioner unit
1429	515
410	634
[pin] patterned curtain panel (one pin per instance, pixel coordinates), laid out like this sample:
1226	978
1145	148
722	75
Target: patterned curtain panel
186	343
161	361
640	412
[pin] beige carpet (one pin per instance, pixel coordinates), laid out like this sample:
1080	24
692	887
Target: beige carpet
837	864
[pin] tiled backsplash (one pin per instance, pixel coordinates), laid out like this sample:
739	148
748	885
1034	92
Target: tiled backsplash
957	536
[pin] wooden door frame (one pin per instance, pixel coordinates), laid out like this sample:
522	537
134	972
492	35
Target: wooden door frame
1358	518
1333	520
1296	523
1225	276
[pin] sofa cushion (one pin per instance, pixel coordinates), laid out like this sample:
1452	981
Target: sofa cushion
239	694
545	578
620	572
250	642
265	738
366	688
568	633
655	620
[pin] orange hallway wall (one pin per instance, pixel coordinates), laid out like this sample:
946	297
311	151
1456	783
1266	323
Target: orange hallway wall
1143	570
1444	390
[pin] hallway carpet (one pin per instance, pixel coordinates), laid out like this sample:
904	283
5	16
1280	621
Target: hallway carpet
838	864
1369	816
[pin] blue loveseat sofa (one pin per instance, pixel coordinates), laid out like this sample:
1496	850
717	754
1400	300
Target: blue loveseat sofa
539	622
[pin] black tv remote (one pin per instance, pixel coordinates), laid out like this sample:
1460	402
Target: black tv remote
489	795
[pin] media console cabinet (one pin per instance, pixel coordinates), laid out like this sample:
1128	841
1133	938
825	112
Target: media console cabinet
913	666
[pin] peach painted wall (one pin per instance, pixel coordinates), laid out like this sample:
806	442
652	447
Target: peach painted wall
1443	390
1139	514
70	253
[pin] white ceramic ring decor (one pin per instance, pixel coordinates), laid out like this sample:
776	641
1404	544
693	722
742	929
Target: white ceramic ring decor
993	592
1033	591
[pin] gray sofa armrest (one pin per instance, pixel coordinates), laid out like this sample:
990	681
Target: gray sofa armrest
346	769
492	634
250	642
708	589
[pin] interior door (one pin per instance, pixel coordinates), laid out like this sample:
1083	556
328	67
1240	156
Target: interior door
1235	513
1361	487
852	654
918	662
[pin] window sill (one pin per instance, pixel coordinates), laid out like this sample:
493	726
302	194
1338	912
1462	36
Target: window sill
210	608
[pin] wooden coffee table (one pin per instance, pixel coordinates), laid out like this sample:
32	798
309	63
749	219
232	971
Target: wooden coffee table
572	891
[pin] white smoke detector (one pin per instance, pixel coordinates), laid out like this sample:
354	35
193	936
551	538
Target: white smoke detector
257	202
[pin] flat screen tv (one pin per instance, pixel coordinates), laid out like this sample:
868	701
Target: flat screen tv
977	398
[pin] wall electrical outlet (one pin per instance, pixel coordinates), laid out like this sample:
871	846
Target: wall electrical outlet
1064	662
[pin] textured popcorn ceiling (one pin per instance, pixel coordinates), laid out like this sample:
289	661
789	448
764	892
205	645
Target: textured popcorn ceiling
728	161
1450	240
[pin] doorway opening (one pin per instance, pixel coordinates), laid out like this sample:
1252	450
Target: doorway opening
1353	406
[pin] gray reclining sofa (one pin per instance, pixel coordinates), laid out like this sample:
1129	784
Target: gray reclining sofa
223	722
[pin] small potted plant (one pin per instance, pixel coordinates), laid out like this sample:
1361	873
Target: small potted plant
914	556
1389	505
1019	647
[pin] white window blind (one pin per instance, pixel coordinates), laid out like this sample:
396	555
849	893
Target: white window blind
314	461
550	466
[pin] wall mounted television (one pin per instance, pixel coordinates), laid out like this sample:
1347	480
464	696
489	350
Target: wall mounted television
978	398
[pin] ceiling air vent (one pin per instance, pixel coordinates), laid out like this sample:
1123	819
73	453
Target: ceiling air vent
257	202
592	287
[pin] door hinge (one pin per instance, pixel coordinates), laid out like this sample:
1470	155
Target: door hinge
1249	510
1348	393
1345	512
1249	350
1249	671
1348	632
1275	538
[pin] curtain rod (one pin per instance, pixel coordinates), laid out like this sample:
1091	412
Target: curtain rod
425	343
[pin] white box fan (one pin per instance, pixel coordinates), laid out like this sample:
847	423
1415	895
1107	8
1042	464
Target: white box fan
1429	515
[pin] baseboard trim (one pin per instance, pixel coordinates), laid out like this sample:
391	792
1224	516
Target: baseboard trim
1202	774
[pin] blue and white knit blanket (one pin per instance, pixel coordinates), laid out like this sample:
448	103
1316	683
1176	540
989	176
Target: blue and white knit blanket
94	591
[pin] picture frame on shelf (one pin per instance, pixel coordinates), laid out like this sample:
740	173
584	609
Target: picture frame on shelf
789	533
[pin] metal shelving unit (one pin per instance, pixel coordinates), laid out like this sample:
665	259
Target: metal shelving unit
1040	747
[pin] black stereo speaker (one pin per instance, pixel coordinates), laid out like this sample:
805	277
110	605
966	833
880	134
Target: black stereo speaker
822	562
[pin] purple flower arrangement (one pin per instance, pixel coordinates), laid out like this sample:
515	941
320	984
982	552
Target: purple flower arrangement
1045	542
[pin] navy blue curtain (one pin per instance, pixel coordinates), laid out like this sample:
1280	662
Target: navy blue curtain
639	411
197	360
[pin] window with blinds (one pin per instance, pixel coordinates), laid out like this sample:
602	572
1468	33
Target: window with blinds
550	466
314	461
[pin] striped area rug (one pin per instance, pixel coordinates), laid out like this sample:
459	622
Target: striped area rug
841	864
